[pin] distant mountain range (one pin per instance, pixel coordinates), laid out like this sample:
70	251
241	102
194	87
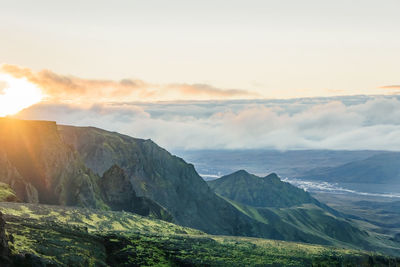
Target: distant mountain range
213	164
89	167
382	168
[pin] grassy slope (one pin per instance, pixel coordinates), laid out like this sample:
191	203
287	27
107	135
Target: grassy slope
255	191
83	237
296	215
313	220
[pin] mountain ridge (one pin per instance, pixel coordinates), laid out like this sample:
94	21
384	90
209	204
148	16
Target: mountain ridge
268	191
382	168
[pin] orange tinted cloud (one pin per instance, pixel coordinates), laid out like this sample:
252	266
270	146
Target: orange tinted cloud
390	87
395	89
59	87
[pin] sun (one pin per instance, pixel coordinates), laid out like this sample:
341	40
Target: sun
17	94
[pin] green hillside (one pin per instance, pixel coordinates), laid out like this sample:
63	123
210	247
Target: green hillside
255	191
59	236
296	215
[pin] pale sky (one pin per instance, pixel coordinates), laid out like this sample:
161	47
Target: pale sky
279	49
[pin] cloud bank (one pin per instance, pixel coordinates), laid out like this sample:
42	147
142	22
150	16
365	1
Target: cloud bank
62	88
130	106
358	122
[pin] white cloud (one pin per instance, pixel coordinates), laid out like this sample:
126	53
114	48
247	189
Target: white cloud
317	123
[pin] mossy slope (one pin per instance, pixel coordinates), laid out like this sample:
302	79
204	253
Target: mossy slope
59	236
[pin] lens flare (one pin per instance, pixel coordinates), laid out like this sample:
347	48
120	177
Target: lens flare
17	94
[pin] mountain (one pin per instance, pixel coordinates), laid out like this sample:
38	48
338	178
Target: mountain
383	168
291	211
255	191
175	185
212	163
156	174
40	167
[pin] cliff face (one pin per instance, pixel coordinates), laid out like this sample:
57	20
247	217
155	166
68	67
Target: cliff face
118	194
40	167
9	175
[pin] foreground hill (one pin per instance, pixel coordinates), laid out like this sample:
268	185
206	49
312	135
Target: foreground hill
378	169
41	235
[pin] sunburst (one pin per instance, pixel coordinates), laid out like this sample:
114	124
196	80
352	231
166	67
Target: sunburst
17	94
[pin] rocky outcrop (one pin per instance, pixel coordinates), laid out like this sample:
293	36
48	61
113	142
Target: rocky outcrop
118	194
4	249
9	175
39	167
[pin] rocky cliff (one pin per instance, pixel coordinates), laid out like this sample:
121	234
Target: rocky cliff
41	168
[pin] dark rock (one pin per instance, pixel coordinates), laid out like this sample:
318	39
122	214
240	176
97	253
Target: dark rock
4	249
118	193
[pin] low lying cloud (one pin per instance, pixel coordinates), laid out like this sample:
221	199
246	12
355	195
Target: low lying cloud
62	88
358	122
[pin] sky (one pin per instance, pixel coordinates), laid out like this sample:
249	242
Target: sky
209	74
279	49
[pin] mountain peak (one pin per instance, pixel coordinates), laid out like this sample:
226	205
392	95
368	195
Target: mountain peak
241	172
256	191
272	176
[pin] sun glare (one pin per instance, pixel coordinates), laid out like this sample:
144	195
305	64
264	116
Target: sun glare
17	94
